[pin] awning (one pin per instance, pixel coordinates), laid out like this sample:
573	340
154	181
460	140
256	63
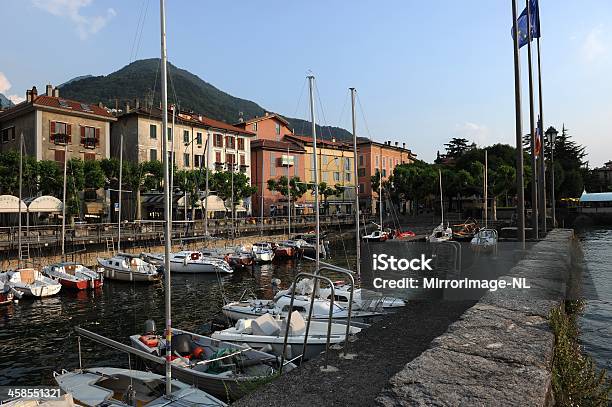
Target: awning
45	203
596	197
10	204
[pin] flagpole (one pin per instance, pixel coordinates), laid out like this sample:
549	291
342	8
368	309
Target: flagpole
534	166
520	233
542	198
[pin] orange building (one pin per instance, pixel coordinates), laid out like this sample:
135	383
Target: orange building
372	157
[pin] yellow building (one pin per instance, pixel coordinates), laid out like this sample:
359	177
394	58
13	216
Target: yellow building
335	162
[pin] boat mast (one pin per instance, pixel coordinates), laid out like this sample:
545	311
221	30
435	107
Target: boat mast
206	202
486	190
441	199
120	190
20	195
380	190
168	223
232	199
63	200
289	197
358	245
311	79
173	107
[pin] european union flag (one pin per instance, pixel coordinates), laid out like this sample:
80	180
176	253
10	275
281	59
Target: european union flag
521	23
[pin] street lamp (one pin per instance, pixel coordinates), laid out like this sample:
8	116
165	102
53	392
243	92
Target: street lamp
551	135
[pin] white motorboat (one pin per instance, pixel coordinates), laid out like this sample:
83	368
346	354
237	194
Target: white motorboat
263	252
267	333
127	267
485	240
362	299
440	234
32	283
376	236
188	261
108	386
64	400
279	306
74	276
220	368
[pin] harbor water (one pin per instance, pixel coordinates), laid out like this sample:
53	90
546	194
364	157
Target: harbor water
595	322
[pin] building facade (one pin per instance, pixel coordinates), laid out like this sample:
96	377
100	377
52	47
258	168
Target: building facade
374	157
54	128
334	168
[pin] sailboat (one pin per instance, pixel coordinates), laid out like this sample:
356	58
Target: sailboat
126	387
441	233
485	239
28	281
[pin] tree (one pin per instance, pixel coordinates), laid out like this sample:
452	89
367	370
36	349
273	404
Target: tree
141	177
75	182
295	188
93	175
456	147
326	191
50	178
223	183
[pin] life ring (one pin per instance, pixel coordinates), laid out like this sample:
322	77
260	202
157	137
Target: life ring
195	256
150	340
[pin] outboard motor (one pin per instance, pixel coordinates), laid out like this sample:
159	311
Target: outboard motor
181	344
149	327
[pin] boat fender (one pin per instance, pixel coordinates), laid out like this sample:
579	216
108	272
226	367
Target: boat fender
150	340
198	353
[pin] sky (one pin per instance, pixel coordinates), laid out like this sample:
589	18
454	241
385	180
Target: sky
424	71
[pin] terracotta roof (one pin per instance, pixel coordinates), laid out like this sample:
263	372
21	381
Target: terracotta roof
74	106
190	118
276	145
320	141
269	116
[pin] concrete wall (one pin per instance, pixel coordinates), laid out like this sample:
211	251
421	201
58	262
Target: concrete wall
27	124
500	351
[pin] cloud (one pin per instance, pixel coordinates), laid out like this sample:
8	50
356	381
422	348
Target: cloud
594	45
5	85
477	133
71	9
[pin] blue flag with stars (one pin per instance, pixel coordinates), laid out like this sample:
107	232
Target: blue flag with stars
521	23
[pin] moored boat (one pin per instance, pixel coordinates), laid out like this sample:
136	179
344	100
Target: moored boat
191	261
32	283
263	252
377	235
127	267
485	240
74	276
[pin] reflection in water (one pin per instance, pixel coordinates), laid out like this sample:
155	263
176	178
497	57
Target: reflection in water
595	326
36	336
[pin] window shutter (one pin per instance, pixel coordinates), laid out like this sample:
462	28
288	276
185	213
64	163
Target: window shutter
69	133
83	135
52	131
97	136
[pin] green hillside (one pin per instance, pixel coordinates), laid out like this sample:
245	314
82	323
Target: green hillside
141	79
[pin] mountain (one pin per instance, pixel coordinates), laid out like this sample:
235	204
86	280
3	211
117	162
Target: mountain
140	80
5	102
78	78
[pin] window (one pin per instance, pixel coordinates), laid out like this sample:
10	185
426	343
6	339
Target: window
60	133
198	161
384	162
186	159
361	188
277	127
361	161
241	144
324	159
347	177
312	175
323	177
186	136
218	157
347	164
384	173
361	172
89	157
272	165
376	161
169	133
242	159
312	162
337	176
199	138
152	154
254	127
231	160
60	156
90	137
230	142
153	131
218	140
8	134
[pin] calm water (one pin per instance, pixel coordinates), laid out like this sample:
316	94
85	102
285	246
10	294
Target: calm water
596	322
36	336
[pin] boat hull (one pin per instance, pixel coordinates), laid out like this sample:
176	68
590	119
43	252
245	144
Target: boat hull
81	284
38	291
123	275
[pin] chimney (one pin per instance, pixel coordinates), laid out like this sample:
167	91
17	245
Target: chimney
28	95
56	92
266	114
396	144
127	107
34	92
100	105
333	139
403	145
49	90
137	104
